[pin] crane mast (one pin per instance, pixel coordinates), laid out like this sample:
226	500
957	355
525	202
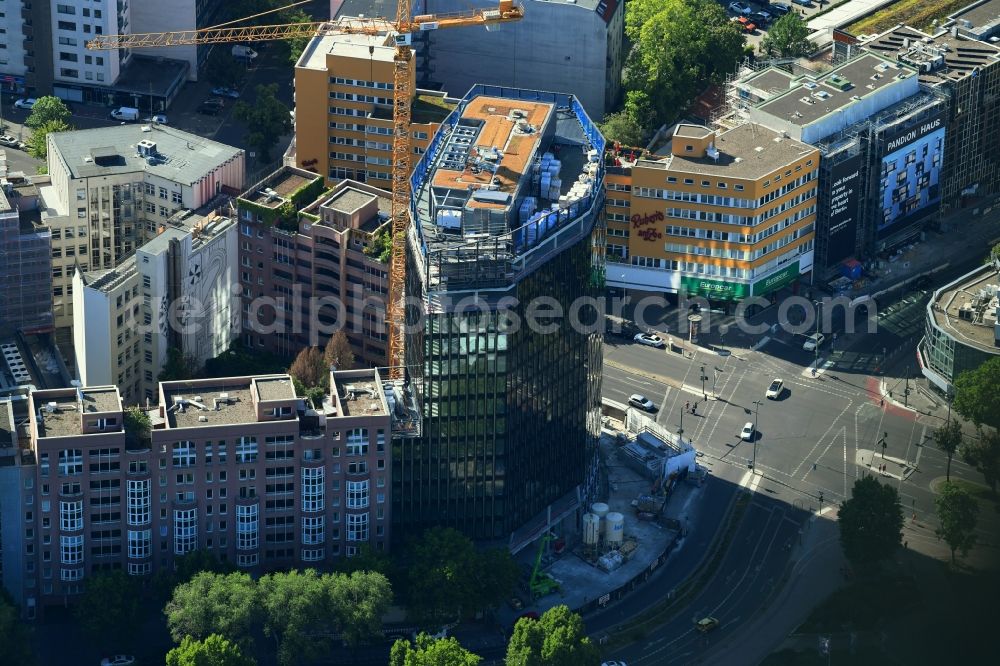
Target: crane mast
405	25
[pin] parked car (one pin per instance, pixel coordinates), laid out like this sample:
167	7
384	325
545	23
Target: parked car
775	389
223	91
745	23
706	624
739	8
748	432
642	402
813	341
779	8
212	106
25	103
118	660
613	663
8	140
803	3
159	119
650	340
760	20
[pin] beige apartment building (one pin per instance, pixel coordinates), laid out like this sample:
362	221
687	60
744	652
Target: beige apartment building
343	113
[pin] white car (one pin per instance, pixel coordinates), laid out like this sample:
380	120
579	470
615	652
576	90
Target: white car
613	663
774	390
642	402
814	341
159	119
118	660
740	8
748	432
223	91
650	340
25	103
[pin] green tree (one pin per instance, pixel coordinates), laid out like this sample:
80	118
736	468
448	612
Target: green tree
15	636
266	119
788	37
871	522
680	47
310	369
976	394
296	45
213	651
367	559
948	439
109	606
380	246
338	352
497	575
430	651
359	601
957	512
212	603
993	255
624	128
297	608
46	110
983	453
37	143
442	577
558	638
137	426
178	366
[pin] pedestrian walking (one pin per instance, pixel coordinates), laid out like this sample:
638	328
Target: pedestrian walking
906	544
687	406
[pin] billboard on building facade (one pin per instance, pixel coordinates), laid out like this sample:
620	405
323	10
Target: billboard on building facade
845	200
910	177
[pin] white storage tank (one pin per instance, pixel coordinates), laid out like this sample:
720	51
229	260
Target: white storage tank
591	529
614	529
600	509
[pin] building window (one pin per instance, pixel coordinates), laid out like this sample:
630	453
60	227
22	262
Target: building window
312	489
357	527
70	462
71	549
185	530
246	527
184	454
357	494
139	543
138	502
247	560
357	442
71	516
246	450
312	530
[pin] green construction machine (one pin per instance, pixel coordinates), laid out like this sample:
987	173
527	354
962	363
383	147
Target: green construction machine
541	583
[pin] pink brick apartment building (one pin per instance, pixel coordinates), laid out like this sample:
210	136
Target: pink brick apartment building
236	466
304	270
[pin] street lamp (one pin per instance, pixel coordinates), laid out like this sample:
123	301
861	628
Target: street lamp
819	316
756	427
704	396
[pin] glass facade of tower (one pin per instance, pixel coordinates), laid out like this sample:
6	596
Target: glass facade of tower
511	412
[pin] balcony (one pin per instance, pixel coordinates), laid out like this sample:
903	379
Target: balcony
314	456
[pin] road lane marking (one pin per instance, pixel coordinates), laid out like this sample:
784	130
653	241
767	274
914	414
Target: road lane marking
809	456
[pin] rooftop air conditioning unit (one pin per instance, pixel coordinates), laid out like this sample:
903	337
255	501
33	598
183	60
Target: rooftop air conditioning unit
203	418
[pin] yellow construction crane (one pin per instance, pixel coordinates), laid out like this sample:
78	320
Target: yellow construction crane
405	25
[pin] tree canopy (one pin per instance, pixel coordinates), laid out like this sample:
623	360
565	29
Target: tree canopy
948	438
46	110
109	605
788	37
266	119
957	512
15	636
557	638
983	453
212	603
871	522
430	651
310	368
37	143
448	578
680	46
213	651
976	394
338	352
222	69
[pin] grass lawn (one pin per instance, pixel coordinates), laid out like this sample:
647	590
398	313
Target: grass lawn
979	491
919	14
